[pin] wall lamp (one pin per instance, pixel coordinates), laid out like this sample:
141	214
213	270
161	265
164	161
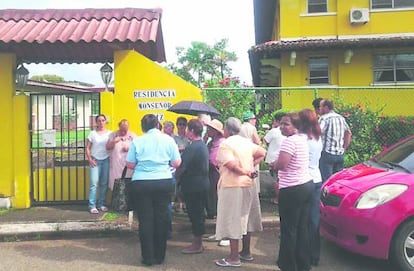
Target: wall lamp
22	75
348	56
106	74
292	61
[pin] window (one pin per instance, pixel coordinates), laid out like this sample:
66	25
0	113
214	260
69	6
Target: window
318	71
378	4
394	68
315	6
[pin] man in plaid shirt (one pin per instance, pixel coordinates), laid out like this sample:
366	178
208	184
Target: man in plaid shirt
336	137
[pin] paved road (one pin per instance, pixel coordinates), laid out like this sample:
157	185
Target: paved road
122	253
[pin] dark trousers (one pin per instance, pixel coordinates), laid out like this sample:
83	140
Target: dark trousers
315	215
294	207
330	164
150	199
195	203
214	176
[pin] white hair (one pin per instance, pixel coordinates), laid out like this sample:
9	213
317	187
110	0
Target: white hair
233	125
204	118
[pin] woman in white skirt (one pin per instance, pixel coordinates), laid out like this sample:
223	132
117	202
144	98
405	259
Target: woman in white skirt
238	206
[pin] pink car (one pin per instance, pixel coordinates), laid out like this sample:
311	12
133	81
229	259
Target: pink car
369	208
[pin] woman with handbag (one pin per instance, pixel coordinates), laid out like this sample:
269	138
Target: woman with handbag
150	156
118	145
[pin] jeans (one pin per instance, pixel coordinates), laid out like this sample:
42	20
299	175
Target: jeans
315	215
330	164
150	200
99	178
294	207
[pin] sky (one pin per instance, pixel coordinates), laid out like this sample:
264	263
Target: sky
210	21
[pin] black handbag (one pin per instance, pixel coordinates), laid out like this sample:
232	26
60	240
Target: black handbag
120	196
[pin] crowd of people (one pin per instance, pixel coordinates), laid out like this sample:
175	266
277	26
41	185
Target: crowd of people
211	170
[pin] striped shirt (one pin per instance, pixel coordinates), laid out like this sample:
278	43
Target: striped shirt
333	128
297	170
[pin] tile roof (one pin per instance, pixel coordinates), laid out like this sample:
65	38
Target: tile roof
80	35
272	47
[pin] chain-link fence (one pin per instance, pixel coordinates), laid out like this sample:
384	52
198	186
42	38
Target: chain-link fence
378	116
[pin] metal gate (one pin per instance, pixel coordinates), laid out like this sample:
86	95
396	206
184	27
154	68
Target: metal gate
59	126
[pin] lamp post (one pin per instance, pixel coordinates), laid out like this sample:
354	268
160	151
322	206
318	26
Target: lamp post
22	74
106	74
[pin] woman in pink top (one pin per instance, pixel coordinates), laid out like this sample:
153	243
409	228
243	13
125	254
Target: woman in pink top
294	196
215	132
118	144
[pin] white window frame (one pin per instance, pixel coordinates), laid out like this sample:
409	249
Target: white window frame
311	70
317	5
393	71
392	4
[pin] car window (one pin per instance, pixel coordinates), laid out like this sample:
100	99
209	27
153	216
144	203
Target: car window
402	155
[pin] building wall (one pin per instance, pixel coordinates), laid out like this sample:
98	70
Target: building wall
388	101
6	119
295	22
15	151
136	76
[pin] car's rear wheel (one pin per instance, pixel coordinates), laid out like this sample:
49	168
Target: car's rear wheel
402	247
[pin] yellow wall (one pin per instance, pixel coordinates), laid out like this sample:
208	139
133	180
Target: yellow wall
15	150
393	102
6	119
21	151
135	73
295	22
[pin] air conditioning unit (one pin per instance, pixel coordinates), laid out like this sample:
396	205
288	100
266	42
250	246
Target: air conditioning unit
359	15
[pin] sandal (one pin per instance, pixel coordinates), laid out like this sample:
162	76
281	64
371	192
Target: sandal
103	209
94	211
247	258
190	250
224	263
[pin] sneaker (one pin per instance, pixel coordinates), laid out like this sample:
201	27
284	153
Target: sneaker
224	243
211	238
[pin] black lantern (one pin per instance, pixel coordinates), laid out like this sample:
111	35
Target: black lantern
106	74
22	74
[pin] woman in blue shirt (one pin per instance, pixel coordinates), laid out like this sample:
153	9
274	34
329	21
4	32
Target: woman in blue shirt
150	156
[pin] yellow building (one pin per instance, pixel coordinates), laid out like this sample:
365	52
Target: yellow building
365	47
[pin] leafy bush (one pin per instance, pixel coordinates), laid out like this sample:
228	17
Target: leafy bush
363	123
391	129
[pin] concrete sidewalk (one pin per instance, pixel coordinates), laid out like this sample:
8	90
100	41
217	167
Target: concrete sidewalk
41	222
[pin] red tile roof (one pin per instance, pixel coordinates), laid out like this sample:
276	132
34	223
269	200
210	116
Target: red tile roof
273	49
315	44
80	35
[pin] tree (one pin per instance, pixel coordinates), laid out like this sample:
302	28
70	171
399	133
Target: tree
51	78
229	97
202	62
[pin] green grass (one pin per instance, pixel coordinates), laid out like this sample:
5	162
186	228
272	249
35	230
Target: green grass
111	216
4	211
